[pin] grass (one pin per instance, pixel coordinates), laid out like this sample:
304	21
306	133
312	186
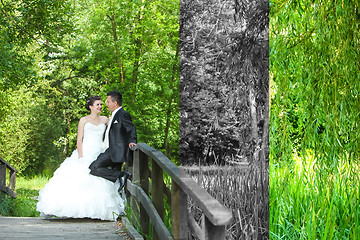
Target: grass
25	203
309	200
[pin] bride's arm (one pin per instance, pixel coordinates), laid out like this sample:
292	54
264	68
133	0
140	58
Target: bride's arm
80	136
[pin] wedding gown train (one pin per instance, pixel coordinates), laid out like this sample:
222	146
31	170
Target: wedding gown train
74	193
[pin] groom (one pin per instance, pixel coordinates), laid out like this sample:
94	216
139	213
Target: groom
119	137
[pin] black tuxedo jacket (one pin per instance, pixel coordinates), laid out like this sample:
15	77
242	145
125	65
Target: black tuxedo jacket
122	132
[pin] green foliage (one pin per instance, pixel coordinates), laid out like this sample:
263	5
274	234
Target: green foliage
27	190
23	23
123	52
314	143
28	131
167	208
135	221
72	50
314	65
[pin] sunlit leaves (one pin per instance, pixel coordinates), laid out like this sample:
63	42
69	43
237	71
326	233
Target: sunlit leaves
23	23
315	63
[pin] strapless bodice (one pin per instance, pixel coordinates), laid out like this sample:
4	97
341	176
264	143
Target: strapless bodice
93	137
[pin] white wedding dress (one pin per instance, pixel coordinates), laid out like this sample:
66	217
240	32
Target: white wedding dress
74	193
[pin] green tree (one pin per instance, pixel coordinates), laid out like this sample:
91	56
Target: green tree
133	47
28	131
22	23
314	65
29	29
82	48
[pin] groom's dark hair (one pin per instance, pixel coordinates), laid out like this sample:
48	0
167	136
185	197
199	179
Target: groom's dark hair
116	97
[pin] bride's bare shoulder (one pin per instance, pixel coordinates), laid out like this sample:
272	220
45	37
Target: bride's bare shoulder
83	120
104	119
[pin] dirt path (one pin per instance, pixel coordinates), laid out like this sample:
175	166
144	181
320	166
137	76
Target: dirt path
40	228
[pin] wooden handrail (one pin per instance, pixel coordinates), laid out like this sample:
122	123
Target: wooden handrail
10	188
215	215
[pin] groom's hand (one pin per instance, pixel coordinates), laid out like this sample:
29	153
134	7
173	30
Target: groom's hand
132	145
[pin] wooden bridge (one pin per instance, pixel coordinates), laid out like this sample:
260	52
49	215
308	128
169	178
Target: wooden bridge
7	187
149	196
15	228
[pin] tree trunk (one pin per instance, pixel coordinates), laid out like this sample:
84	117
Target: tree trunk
117	51
137	43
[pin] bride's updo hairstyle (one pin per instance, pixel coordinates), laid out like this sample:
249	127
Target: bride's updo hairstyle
91	101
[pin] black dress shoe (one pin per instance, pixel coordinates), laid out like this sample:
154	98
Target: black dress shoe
123	179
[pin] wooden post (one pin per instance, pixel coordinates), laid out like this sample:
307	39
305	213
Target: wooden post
2	174
12	179
128	166
157	192
144	184
179	212
211	231
135	180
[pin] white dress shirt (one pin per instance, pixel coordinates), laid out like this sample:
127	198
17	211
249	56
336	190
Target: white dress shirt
106	139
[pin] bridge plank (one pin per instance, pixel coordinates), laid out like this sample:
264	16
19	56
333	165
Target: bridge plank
40	228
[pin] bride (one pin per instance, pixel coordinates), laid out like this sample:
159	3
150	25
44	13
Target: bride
73	192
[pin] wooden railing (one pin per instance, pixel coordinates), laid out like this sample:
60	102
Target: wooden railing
215	216
10	187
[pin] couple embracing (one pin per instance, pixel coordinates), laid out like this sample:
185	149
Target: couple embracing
89	183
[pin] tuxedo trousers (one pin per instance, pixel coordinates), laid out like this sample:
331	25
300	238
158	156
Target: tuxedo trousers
104	167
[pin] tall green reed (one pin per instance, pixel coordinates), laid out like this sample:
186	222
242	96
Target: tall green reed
309	200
